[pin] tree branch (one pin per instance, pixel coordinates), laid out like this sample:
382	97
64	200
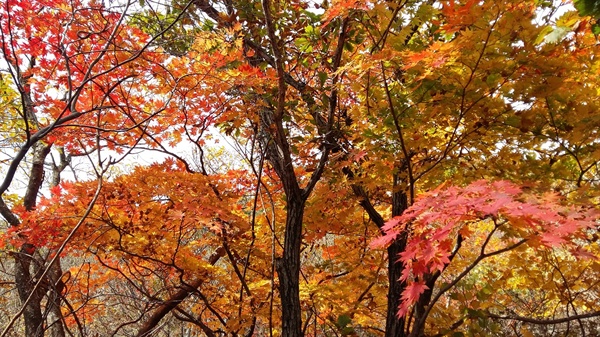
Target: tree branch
541	321
170	304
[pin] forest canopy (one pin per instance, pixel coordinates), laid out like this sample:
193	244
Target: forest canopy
299	168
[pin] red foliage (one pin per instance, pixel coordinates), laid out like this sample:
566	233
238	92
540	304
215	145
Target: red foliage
436	220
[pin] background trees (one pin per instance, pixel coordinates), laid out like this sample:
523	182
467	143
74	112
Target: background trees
336	118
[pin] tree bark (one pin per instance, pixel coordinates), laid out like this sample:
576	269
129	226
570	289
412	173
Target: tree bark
273	139
34	321
168	305
55	290
56	286
394	326
24	260
288	270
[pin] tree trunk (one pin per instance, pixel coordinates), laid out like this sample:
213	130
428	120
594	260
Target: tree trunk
24	280
34	322
273	138
56	286
394	326
288	269
55	290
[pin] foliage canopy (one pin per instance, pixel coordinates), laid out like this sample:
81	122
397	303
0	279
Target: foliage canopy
347	168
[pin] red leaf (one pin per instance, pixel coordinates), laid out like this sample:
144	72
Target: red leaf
411	295
414	290
551	239
437	218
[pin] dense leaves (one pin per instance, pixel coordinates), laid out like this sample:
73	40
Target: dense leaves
238	166
499	215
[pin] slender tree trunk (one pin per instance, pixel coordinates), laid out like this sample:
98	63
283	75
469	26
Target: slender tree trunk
55	290
272	137
56	286
25	282
394	326
288	269
24	260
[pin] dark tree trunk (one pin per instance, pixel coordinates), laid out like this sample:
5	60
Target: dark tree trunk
25	260
25	282
394	326
288	270
55	273
273	139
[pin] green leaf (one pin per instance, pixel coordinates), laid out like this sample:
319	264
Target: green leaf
492	79
312	32
303	44
542	35
348	46
475	313
314	17
588	7
343	321
322	77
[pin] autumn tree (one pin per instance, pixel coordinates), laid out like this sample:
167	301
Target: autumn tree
453	87
68	91
340	115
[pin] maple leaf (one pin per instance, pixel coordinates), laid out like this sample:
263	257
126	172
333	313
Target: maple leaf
56	190
551	239
583	253
436	220
413	291
392	223
411	295
342	8
384	240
